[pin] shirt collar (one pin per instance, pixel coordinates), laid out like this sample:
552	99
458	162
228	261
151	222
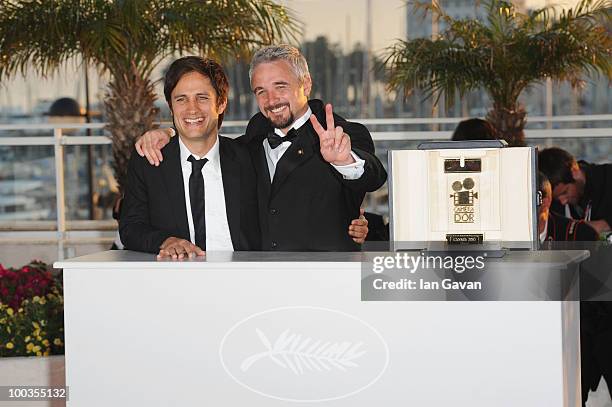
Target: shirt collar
212	155
296	124
544	233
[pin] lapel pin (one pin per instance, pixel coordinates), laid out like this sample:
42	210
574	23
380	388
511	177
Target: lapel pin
300	152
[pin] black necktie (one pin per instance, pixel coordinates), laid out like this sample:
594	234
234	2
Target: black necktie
275	140
196	197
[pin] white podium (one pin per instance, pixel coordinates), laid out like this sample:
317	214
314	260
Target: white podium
287	329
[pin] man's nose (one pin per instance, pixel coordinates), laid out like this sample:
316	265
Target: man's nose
273	97
192	105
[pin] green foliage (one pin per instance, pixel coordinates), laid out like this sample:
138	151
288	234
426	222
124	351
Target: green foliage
506	53
117	34
128	39
36	328
31	311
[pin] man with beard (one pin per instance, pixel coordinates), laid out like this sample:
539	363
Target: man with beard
580	190
311	178
553	227
583	192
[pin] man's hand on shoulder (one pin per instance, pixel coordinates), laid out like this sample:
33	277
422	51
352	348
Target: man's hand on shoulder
149	145
178	249
335	143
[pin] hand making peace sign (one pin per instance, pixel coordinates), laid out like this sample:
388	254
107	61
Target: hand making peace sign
335	143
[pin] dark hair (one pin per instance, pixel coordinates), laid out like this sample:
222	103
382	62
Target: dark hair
205	66
557	165
474	129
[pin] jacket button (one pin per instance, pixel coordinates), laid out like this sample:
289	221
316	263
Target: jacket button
273	211
274	244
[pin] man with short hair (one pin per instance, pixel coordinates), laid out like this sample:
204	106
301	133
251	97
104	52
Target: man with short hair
203	196
583	190
586	188
553	227
311	178
474	129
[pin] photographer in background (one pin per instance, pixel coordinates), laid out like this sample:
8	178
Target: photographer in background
582	190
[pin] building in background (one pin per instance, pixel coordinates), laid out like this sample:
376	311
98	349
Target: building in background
337	68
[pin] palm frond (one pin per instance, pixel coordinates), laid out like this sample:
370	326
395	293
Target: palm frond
42	35
128	39
506	53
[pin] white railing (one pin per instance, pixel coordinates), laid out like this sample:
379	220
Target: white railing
549	132
61	139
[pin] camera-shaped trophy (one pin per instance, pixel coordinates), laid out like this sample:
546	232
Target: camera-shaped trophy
463	193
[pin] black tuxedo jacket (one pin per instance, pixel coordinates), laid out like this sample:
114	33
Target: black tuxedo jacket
562	229
154	205
308	206
597	192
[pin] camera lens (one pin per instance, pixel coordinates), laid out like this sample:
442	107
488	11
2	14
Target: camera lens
468	183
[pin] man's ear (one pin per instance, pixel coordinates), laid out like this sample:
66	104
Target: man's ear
222	106
307	85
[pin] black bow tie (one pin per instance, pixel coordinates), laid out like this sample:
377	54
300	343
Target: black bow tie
275	140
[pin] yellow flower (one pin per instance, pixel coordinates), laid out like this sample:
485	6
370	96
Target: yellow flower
29	347
36	299
20	310
57	341
36	348
47	352
10	345
38	354
45	342
35	324
43	301
27	338
9	311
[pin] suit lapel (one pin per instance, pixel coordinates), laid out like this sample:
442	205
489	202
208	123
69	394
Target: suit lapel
300	151
230	170
258	155
172	175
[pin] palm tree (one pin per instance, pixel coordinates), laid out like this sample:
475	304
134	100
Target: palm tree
505	54
128	39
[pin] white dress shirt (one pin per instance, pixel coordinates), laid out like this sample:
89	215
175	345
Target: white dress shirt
273	155
587	212
544	233
217	229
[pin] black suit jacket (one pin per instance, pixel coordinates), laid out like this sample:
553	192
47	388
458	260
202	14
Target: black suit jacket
562	229
154	205
309	205
597	193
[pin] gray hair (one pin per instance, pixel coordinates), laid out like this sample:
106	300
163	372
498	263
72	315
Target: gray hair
284	52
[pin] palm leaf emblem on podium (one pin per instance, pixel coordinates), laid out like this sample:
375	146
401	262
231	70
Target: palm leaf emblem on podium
300	354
